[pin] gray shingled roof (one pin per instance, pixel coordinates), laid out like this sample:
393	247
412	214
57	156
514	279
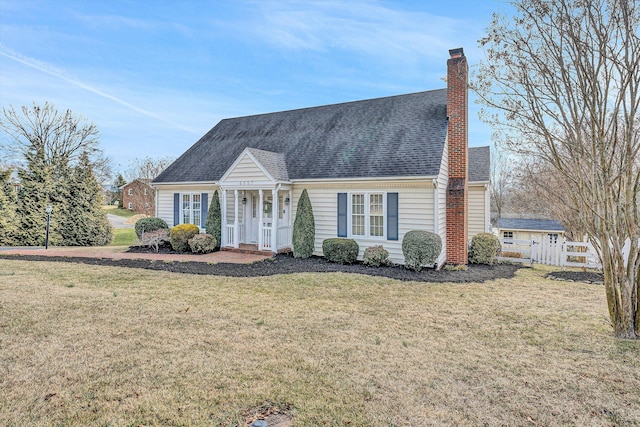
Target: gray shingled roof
479	164
274	163
530	224
394	136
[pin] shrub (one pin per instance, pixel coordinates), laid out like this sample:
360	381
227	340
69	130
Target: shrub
202	244
304	228
213	224
145	225
420	248
484	248
376	256
342	251
156	239
180	235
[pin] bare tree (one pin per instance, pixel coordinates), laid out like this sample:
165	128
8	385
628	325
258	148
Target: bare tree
501	181
147	168
62	137
561	80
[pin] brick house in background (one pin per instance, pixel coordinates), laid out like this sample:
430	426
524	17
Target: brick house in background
373	169
139	196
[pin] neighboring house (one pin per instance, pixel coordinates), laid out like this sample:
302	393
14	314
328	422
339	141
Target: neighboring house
538	230
139	196
374	170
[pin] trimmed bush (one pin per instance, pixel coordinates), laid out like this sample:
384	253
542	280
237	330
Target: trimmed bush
146	225
484	248
202	244
341	251
420	248
180	235
213	224
376	256
304	228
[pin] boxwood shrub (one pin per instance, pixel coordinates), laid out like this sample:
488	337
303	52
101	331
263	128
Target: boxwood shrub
484	248
180	235
376	256
202	244
341	251
420	248
146	225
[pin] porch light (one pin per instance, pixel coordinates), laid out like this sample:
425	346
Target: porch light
244	200
286	201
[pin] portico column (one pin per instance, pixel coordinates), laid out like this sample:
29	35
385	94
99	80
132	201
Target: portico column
236	225
290	222
260	209
223	232
275	213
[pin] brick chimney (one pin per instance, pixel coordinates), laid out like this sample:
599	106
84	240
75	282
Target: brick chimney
457	189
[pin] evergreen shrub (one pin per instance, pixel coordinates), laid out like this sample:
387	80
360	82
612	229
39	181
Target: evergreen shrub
304	228
376	256
202	244
180	235
146	225
420	248
484	248
213	224
341	251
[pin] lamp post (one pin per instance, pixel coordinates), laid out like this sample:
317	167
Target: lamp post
48	210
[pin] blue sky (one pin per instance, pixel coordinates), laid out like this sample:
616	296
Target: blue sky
154	76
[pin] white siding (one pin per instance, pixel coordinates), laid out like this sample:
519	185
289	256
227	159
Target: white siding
477	210
415	210
443	181
246	171
164	208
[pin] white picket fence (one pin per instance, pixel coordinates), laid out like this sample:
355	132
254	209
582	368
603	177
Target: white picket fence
563	254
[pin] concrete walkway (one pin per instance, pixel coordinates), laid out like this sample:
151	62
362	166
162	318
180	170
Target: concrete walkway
118	252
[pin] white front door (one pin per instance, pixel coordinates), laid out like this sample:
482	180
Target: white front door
253	214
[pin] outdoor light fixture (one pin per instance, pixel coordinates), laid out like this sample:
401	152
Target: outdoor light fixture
48	210
244	200
286	201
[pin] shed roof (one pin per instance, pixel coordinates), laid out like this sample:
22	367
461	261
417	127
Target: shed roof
530	224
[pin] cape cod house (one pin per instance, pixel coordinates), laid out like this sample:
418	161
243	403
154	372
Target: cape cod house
374	170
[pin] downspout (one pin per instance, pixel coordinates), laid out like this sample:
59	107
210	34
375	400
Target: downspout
436	230
156	198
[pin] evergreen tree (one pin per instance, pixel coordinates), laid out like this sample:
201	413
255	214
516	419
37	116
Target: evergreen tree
213	223
304	228
8	218
85	222
37	186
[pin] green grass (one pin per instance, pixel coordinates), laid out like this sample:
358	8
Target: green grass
114	210
124	237
92	345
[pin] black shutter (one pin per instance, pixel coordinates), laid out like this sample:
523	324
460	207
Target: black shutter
342	214
204	208
392	216
176	209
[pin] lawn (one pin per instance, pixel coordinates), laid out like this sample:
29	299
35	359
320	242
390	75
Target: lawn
124	237
126	213
91	345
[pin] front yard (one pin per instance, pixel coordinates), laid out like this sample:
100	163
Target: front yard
92	345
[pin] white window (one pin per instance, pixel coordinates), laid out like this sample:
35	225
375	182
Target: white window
553	237
130	192
507	235
145	191
130	205
366	214
191	209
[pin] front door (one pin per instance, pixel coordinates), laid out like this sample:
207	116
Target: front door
253	220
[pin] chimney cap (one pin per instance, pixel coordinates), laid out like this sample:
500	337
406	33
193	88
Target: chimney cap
456	53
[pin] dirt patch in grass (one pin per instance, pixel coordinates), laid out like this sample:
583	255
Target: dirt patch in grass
286	264
577	276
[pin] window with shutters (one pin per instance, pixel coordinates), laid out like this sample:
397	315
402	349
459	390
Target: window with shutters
191	208
367	214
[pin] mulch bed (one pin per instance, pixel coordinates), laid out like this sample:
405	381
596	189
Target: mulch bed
286	263
577	276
